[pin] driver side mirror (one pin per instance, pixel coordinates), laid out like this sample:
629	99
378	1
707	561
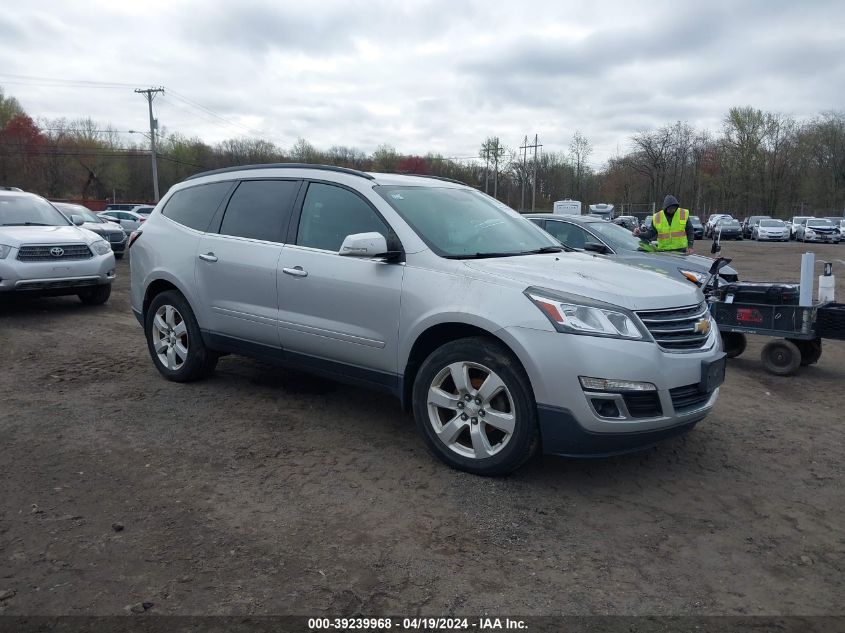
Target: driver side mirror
77	220
596	247
366	245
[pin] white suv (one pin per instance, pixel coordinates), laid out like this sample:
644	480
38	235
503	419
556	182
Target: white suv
43	253
480	323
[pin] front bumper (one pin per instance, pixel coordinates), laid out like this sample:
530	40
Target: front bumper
569	422
822	239
772	237
60	277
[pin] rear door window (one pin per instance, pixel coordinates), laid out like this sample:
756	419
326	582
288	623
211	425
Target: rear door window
194	207
260	209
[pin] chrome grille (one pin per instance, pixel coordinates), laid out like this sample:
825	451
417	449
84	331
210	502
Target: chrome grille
50	252
116	238
675	329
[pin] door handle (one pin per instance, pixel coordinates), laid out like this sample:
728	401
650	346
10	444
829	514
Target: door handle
296	271
208	257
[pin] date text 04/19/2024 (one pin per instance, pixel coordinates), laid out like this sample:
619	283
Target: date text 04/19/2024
417	624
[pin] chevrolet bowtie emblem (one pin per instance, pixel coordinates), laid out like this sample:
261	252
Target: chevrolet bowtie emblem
702	326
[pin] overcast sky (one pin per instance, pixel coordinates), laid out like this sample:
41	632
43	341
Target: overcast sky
423	76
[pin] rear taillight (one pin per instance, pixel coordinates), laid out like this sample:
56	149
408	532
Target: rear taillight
134	235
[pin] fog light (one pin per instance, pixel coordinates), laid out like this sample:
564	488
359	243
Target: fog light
606	408
607	384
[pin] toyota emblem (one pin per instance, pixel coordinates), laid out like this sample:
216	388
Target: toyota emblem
57	252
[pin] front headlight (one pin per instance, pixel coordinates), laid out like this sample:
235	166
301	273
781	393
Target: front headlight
101	247
4	250
580	315
694	277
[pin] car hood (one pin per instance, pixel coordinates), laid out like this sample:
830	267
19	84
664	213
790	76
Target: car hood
590	276
19	235
670	263
106	227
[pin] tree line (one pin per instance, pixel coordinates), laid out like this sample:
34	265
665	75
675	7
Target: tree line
757	163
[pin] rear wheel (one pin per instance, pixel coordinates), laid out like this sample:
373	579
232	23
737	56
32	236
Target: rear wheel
811	351
95	296
781	357
174	340
475	408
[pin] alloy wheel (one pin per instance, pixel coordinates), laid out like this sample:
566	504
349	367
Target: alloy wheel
170	337
471	410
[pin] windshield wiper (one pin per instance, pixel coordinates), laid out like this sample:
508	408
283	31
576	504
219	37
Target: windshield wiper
25	224
547	249
484	255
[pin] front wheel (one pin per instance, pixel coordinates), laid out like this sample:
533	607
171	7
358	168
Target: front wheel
475	408
734	343
174	340
95	296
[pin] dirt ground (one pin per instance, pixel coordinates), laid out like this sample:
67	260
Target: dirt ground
262	491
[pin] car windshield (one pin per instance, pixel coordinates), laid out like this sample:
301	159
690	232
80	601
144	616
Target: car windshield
771	223
29	211
728	223
617	238
78	209
820	224
696	221
800	219
464	223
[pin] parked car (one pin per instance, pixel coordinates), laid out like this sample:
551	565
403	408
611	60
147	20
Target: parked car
497	339
121	206
818	230
143	209
109	231
711	221
838	222
749	224
726	229
44	253
770	230
629	222
584	233
129	220
697	227
797	221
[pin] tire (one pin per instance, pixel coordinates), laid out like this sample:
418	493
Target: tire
781	357
95	296
734	343
455	374
811	351
175	343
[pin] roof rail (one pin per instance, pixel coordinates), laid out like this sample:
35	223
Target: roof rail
342	170
443	178
4	188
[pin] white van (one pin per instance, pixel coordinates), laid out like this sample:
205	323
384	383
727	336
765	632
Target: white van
567	207
602	210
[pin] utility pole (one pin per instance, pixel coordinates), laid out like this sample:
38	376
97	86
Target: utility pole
498	151
524	148
535	147
150	93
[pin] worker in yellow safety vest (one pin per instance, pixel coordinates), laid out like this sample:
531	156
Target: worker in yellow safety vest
671	227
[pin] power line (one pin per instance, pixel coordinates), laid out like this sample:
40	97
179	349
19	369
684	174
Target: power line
33	80
199	106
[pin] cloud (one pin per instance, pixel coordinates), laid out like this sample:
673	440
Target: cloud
428	75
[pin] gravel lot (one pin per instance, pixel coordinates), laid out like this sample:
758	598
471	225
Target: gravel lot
264	491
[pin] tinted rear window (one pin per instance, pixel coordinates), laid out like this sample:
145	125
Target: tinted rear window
260	209
194	207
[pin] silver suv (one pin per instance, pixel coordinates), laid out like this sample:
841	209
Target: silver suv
496	339
44	253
